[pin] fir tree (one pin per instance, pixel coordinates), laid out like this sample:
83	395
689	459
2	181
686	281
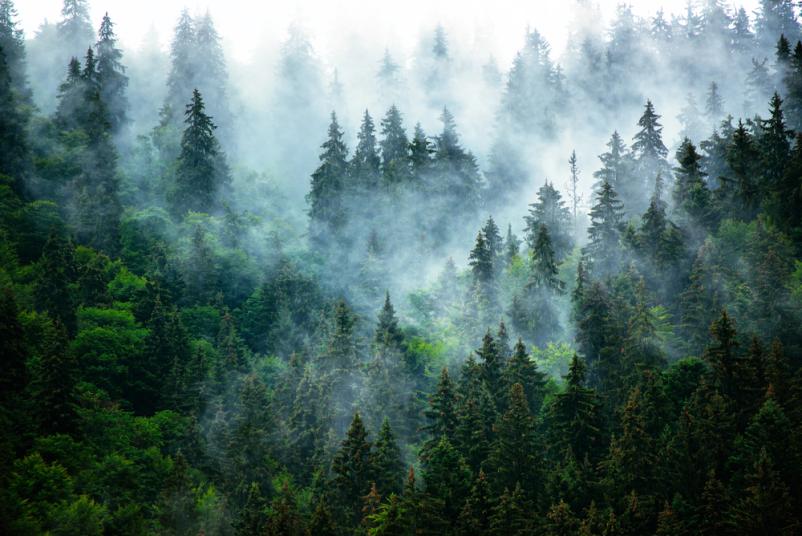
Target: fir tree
691	194
12	43
15	156
714	103
604	233
394	145
111	75
550	210
326	211
441	414
366	162
201	173
388	467
648	151
75	28
352	469
774	145
543	269
54	381
522	370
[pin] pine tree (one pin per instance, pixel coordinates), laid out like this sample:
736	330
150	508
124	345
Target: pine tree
491	366
512	458
714	104
512	514
14	375
12	43
774	145
210	76
420	151
742	160
285	519
476	412
111	75
388	467
441	414
691	194
252	518
775	17
447	481
202	172
180	80
394	145
326	211
351	468
75	28
322	522
521	369
494	242
604	233
793	89
550	210
649	154
658	237
512	246
543	269
475	515
58	273
722	353
481	262
575	417
15	156
388	334
459	180
616	163
742	36
366	162
53	382
574	196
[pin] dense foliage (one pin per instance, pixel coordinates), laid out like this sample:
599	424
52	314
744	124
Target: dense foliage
181	354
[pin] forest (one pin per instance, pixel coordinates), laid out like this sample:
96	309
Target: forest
397	293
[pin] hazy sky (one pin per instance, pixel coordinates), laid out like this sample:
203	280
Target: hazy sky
495	25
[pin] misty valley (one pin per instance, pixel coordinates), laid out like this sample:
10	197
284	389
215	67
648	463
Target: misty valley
377	290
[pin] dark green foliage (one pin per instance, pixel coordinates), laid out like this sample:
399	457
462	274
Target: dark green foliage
326	210
14	161
201	172
388	467
604	233
352	470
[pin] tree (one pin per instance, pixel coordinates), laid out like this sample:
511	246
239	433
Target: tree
351	468
441	414
522	370
366	162
53	382
574	196
742	159
722	353
202	173
180	80
394	145
386	462
512	458
490	366
691	194
649	154
75	28
543	268
447	481
512	514
326	211
111	75
774	145
494	242
58	273
550	211
604	233
775	17
575	417
616	163
12	43
475	515
15	157
420	151
714	103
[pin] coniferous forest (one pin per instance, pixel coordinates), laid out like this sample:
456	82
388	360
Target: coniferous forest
456	295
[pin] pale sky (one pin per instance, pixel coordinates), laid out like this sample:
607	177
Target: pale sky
245	25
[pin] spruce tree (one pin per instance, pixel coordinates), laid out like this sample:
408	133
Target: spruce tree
691	194
742	159
326	211
649	154
53	382
512	458
394	145
604	233
543	268
550	210
441	414
180	80
366	162
352	469
12	43
111	75
75	28
522	370
386	462
714	103
15	156
201	172
57	274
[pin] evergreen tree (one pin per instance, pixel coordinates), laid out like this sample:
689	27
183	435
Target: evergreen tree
649	154
201	173
493	240
550	211
395	161
475	515
12	43
616	163
775	17
366	162
512	514
441	414
15	156
388	467
512	457
352	469
691	194
58	273
53	382
543	269
180	79
575	417
522	370
326	211
604	233
742	160
447	482
111	75
774	145
714	103
420	151
512	246
722	354
75	28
